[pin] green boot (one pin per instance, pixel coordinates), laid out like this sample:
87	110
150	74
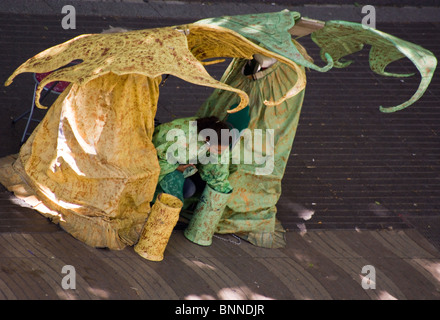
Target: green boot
206	216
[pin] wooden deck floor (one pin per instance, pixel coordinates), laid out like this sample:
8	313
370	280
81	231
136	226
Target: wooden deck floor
318	265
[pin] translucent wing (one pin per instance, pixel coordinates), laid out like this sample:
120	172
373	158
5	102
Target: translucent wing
341	38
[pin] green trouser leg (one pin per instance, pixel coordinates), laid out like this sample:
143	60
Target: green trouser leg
172	183
206	216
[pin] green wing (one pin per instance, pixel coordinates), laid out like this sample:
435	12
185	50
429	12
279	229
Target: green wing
341	38
271	31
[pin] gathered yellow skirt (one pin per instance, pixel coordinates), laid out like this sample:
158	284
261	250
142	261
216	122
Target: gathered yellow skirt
90	165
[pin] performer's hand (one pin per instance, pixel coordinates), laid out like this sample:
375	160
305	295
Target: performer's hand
182	167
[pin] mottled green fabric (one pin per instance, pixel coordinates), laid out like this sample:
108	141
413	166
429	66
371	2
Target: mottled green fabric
207	213
269	30
182	133
337	39
251	209
239	120
182	138
171	183
341	38
216	176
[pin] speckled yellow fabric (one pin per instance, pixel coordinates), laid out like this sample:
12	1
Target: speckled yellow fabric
210	41
158	228
150	52
92	161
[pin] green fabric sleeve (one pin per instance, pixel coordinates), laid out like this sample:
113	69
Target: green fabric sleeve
216	176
